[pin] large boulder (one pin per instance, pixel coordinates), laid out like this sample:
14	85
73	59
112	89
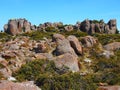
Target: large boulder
67	60
89	41
75	44
66	55
85	26
112	46
112	26
8	85
63	46
57	37
17	26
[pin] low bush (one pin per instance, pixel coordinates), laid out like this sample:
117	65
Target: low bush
46	76
107	38
4	37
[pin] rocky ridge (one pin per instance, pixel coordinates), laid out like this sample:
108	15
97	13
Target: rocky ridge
18	26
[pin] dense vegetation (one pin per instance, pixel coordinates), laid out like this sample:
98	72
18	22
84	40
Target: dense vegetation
47	76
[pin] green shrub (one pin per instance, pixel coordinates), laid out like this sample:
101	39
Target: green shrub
69	81
38	35
107	38
31	70
75	33
107	70
51	29
4	37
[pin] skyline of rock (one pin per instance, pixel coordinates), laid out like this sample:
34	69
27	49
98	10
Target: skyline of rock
18	26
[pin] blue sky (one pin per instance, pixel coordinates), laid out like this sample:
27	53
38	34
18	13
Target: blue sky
66	11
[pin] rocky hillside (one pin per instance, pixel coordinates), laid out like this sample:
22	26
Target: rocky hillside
53	56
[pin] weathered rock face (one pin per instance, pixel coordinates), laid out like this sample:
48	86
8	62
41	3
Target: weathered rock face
64	47
67	60
17	26
91	27
8	85
75	44
112	26
57	37
66	55
85	26
112	46
89	41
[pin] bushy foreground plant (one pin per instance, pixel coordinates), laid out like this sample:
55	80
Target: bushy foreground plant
47	76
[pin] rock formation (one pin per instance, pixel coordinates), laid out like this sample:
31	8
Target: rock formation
67	60
89	41
17	26
75	44
91	27
65	52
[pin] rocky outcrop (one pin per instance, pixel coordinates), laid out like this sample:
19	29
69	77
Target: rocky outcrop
63	45
65	52
75	44
8	85
112	26
17	26
89	41
112	46
93	26
85	26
